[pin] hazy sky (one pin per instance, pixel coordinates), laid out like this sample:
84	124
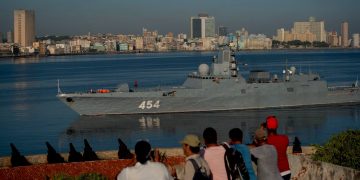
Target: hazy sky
75	17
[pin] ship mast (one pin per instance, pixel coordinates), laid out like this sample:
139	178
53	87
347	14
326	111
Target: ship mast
58	87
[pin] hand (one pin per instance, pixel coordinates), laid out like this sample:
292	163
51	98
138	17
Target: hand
156	155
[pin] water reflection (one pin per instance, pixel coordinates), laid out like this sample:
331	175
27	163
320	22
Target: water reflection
311	125
26	60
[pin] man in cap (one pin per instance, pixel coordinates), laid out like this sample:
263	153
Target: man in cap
265	157
191	148
281	143
144	168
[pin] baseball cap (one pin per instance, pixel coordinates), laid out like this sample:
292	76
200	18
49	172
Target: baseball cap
191	140
271	122
260	134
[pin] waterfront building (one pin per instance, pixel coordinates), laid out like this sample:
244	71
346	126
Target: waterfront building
344	34
1	37
5	48
123	47
53	50
259	41
80	45
65	48
98	47
42	49
333	39
36	44
110	45
280	35
240	40
355	41
149	39
139	43
202	26
294	35
223	31
181	37
9	37
24	27
222	40
242	34
312	26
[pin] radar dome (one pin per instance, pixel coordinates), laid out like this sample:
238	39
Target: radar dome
203	70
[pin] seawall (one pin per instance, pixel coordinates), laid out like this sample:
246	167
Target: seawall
302	167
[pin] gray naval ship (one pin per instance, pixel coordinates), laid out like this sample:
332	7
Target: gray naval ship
217	87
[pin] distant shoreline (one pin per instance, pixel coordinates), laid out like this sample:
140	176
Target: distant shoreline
174	51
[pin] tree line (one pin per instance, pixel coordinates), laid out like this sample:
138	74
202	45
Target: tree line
298	43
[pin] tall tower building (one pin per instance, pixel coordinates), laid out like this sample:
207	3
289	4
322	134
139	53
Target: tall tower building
223	31
345	34
312	26
24	27
280	34
202	26
9	37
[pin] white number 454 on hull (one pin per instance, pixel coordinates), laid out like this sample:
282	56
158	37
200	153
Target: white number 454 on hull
149	104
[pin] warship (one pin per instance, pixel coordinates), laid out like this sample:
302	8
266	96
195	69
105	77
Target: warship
217	87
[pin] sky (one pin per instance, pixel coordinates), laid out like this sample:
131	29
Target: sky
77	17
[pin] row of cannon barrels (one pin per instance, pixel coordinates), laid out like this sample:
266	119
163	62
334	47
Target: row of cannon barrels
74	156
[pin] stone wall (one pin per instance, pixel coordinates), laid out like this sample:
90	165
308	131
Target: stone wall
302	167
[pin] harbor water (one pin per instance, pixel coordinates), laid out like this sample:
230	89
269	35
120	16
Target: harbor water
30	113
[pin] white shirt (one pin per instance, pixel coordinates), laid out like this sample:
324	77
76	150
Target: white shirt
149	171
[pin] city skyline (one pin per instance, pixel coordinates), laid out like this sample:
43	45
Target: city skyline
111	16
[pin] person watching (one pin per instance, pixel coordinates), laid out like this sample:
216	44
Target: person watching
281	142
214	154
236	136
144	168
191	149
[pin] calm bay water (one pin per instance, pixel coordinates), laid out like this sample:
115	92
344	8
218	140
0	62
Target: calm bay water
30	114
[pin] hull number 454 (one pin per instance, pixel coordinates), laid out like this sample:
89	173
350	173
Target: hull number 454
149	104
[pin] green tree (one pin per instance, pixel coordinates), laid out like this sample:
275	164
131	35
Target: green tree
342	149
320	44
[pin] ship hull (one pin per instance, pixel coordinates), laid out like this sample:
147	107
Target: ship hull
190	100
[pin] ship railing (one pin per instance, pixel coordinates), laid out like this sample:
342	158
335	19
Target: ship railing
341	88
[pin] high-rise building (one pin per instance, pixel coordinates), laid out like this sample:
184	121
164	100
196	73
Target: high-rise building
24	27
223	31
333	39
280	35
312	26
9	37
344	34
202	26
355	41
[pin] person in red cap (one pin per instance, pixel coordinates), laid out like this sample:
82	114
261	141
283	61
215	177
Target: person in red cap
281	143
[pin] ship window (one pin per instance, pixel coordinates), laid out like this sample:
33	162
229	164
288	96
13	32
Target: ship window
290	89
243	91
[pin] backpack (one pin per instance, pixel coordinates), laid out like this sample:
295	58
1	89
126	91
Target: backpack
235	164
200	172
